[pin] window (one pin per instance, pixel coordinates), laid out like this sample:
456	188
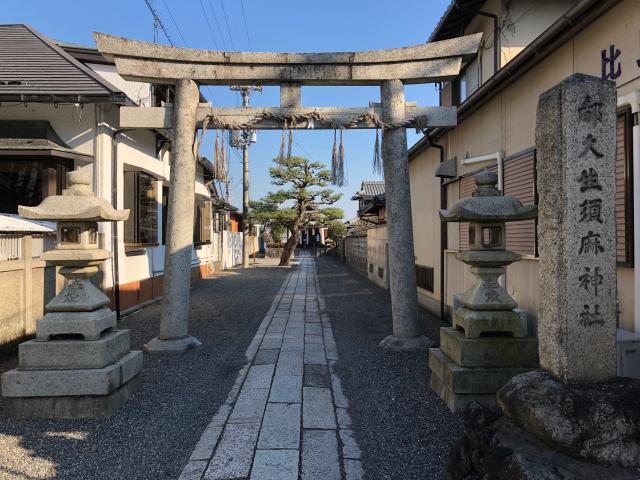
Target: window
141	198
624	189
202	224
424	277
165	212
28	182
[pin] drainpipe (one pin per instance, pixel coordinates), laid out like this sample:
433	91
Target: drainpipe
443	232
495	33
114	225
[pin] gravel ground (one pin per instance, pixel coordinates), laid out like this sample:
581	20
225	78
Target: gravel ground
153	435
402	427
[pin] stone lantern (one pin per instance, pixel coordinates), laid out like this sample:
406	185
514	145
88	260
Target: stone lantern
488	342
79	364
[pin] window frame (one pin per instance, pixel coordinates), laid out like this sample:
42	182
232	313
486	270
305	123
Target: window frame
134	214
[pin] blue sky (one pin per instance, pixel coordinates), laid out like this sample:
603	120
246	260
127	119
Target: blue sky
276	25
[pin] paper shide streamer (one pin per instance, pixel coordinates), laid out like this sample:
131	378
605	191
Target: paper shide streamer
220	162
377	157
337	159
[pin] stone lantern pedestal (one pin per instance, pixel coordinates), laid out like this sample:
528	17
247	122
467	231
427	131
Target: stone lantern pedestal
79	365
487	344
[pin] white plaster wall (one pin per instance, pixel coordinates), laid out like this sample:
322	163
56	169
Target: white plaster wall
139	92
74	125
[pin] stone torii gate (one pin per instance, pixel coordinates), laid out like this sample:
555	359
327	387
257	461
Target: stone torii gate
390	69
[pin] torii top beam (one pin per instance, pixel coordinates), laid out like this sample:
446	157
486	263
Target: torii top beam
425	63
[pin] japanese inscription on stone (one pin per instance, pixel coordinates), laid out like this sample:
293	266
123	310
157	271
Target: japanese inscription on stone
575	145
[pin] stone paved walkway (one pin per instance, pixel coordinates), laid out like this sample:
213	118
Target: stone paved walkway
286	416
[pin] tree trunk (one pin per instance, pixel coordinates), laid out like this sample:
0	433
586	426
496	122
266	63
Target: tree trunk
289	247
266	234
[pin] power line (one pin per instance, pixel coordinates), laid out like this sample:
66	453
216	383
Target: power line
227	22
175	24
157	22
215	18
206	17
246	27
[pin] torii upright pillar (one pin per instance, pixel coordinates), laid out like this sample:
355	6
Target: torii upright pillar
407	334
174	319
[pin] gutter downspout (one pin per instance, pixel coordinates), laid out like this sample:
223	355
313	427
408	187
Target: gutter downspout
443	233
495	32
538	48
114	227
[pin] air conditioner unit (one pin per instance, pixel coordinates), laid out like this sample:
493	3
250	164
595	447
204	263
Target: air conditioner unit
628	354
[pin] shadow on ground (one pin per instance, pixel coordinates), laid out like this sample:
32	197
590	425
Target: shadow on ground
153	435
401	426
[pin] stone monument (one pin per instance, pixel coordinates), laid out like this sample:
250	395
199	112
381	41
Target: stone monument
488	342
79	365
575	418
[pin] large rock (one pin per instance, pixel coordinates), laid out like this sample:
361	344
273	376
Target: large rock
596	422
492	448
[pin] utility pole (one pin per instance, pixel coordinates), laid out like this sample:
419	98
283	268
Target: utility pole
242	140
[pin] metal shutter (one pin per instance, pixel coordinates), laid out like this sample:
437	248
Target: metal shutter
519	182
623	191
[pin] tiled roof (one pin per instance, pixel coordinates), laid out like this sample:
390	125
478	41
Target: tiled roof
457	16
33	68
371	188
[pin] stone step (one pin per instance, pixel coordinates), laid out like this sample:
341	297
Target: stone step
476	322
476	380
74	354
488	351
55	383
457	401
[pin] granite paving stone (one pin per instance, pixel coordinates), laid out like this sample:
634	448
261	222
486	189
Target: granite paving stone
286	389
320	460
275	465
250	405
350	447
317	408
314	353
280	426
234	455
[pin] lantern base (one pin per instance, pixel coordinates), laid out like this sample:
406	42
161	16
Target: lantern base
71	407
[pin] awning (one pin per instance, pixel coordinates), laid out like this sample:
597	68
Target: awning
35	138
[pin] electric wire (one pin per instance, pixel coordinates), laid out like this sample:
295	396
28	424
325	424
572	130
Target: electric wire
215	18
206	17
226	20
175	24
246	27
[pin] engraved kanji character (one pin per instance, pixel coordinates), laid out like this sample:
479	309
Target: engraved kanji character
588	318
589	180
589	146
590	243
591	210
591	278
590	111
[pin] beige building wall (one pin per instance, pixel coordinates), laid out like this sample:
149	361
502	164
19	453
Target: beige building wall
377	247
506	123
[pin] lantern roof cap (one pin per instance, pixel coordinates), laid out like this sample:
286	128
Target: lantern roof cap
487	205
77	203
